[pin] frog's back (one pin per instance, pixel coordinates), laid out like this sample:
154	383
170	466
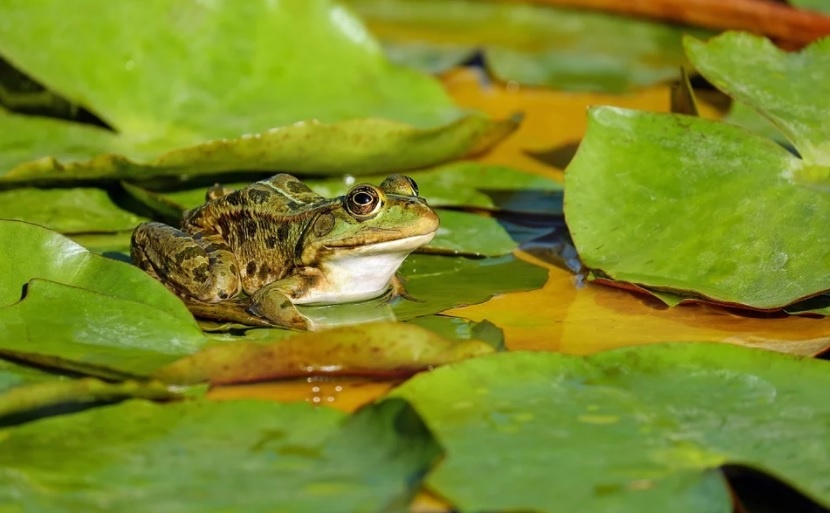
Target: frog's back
263	224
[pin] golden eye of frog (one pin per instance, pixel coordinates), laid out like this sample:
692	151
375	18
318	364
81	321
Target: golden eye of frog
284	245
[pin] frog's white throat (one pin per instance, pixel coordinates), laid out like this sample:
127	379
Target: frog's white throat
360	273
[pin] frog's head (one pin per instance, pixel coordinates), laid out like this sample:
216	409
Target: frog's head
371	220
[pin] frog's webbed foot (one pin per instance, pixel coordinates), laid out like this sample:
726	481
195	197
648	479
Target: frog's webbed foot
398	284
273	302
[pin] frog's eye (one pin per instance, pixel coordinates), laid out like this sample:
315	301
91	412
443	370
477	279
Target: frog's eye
413	185
363	200
401	185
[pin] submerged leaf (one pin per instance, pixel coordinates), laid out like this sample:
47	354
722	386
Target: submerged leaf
171	82
376	350
629	430
223	456
531	44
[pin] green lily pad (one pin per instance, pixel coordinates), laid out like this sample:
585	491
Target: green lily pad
391	350
634	430
76	210
170	80
531	44
78	329
717	212
459	328
80	310
784	87
438	283
224	456
696	207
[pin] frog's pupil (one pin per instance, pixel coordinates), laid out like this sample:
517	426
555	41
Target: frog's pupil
413	185
362	198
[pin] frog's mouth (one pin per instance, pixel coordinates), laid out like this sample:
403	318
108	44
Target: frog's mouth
405	244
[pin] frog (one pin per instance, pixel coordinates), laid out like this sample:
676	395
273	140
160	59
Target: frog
280	244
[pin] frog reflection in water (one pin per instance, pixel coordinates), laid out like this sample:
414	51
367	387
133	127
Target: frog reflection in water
284	245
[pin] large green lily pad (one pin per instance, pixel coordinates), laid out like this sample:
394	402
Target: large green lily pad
201	456
638	429
696	207
784	87
707	210
531	44
61	304
172	82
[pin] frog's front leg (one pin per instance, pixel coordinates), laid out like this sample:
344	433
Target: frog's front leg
200	265
275	301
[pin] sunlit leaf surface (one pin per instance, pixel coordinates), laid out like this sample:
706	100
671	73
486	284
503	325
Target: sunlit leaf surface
171	82
216	457
784	87
714	212
639	429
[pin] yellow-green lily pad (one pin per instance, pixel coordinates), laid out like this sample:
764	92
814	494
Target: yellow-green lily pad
199	89
707	210
385	350
631	430
204	456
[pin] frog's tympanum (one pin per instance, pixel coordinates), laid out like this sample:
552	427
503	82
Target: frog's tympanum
284	245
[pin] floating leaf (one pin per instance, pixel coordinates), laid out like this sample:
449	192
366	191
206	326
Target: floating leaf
83	309
531	44
629	430
741	196
375	349
784	87
471	234
171	82
216	457
438	283
698	207
77	210
78	329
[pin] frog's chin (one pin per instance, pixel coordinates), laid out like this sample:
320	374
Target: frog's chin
360	273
